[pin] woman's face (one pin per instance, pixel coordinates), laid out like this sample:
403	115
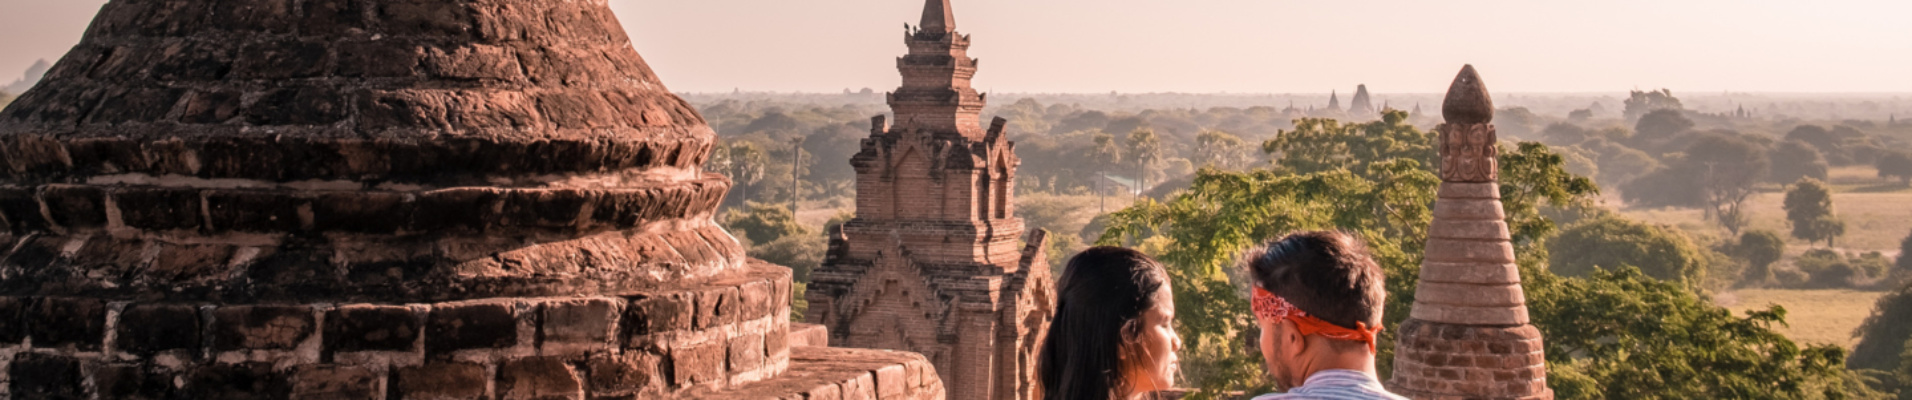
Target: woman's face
1152	357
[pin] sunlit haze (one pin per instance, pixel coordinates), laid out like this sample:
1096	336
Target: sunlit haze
1240	46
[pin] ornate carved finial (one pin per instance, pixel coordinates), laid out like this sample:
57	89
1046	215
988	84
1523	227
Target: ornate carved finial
1467	100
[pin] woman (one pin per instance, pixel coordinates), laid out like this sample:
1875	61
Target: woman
1112	336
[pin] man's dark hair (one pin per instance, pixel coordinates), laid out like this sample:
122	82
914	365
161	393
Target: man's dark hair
1328	274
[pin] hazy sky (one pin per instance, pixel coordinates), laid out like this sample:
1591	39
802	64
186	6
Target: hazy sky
1272	46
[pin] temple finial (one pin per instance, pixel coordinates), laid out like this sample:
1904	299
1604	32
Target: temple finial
1467	99
938	16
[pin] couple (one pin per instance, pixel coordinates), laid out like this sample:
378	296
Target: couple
1317	297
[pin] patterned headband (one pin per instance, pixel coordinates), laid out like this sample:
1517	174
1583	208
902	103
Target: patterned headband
1268	306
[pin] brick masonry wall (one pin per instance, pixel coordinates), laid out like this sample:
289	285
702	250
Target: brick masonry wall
722	334
1438	361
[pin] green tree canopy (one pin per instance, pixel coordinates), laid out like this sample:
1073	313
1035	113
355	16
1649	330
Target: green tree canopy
764	223
1883	335
1809	209
1611	243
1759	249
1660	126
1145	152
1317	144
1640	103
1218	149
1896	165
1794	160
1729	167
1623	335
1905	255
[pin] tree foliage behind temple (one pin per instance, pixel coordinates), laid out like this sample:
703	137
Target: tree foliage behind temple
1373	180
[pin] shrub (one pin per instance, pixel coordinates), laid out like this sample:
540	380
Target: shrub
1613	242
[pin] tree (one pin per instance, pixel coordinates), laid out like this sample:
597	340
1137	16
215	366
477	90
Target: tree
1612	243
1318	144
1759	249
1729	169
1145	152
1794	160
1819	137
1905	255
1883	335
743	163
1218	149
1641	103
1623	335
1658	127
1105	155
1565	134
764	223
1809	209
1674	185
1896	164
1388	202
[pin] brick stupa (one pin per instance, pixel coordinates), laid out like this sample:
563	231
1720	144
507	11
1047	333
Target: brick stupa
1468	336
394	199
932	262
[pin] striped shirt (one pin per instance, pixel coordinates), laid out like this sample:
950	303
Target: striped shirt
1336	384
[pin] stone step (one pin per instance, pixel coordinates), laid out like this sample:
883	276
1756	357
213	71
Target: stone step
807	335
824	373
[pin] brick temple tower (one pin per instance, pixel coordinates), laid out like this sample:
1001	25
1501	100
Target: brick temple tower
935	261
1468	336
383	199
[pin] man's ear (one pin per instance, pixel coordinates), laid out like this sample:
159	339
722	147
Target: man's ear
1290	339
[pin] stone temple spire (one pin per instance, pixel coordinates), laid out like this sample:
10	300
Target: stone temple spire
936	260
936	96
938	16
1468	335
1334	101
1362	104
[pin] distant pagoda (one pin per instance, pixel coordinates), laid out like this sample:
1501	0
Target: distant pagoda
936	261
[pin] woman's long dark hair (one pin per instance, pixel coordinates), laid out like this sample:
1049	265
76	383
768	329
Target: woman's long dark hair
1101	289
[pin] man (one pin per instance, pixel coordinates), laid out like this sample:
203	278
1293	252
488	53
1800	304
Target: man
1318	297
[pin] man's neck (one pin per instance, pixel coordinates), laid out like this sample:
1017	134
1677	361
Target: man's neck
1360	361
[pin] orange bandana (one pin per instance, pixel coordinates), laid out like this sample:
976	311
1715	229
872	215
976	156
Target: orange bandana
1269	306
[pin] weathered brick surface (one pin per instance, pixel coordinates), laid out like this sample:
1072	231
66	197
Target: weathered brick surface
371	328
578	324
471	326
13	328
59	322
408	199
628	374
697	363
442	381
150	328
43	376
538	378
263	327
332	382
